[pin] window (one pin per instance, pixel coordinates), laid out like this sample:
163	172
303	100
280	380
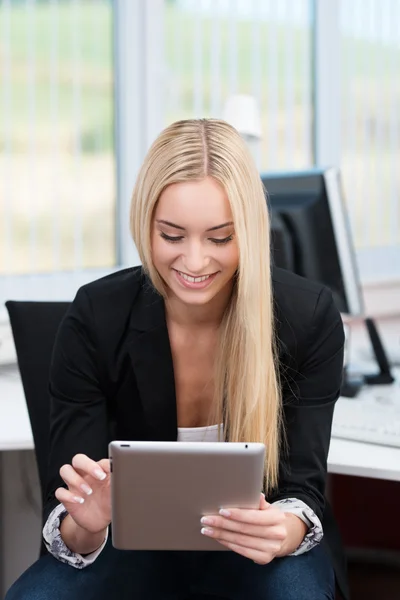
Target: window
370	128
57	181
217	48
78	74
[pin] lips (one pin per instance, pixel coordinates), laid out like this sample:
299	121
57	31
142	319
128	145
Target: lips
194	283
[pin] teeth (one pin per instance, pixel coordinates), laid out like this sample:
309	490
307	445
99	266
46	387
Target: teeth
193	279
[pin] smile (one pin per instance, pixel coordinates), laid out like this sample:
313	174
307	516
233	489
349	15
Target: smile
194	279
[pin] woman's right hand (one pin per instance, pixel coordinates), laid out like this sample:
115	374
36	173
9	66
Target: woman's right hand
88	497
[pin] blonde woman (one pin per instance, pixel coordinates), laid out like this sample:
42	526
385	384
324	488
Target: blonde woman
204	341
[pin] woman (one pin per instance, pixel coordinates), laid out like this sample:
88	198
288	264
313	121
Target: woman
206	341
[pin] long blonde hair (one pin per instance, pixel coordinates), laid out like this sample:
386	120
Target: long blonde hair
247	390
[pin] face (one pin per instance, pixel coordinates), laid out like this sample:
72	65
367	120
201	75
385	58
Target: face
193	241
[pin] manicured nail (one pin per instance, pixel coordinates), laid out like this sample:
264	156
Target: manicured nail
224	512
99	474
78	500
87	489
207	531
207	521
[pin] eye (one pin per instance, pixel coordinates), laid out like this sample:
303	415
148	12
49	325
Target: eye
221	241
171	238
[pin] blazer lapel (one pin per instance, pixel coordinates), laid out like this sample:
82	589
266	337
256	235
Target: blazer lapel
150	352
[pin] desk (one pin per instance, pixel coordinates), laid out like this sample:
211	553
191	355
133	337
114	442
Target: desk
345	457
364	460
15	427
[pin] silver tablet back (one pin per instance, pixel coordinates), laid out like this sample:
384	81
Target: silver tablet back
160	490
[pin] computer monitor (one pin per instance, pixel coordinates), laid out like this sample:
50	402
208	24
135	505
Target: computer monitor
311	234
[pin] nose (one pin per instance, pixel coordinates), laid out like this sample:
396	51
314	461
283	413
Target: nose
195	259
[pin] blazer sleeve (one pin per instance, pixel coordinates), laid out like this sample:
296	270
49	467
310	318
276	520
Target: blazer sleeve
309	396
78	408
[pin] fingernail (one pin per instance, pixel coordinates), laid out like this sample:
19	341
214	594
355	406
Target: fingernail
78	500
207	521
87	489
207	531
99	474
224	512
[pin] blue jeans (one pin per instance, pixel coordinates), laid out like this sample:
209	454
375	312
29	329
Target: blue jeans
134	575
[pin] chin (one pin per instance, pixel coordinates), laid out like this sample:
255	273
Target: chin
196	298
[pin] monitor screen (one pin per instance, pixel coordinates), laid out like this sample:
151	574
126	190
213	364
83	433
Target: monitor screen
310	232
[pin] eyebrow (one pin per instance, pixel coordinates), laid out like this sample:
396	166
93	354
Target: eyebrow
183	229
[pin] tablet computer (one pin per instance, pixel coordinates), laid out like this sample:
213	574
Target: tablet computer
160	490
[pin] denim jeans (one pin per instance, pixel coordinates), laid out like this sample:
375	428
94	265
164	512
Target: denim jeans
134	575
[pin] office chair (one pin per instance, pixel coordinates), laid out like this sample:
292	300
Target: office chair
34	326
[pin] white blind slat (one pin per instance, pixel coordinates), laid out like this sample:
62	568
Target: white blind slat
198	90
289	86
272	95
233	49
5	184
256	68
76	75
55	140
31	180
394	135
215	62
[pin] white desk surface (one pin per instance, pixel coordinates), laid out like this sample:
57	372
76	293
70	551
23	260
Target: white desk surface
15	427
345	457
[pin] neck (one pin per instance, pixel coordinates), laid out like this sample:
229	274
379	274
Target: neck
205	315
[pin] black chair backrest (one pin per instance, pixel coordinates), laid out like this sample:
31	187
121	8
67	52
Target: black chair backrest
34	326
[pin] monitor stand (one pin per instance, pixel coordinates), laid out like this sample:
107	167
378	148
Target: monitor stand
353	382
384	376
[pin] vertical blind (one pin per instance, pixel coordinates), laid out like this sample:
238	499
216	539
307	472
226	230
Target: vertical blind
217	48
57	183
57	172
370	140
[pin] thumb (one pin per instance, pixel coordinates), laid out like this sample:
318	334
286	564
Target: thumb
263	503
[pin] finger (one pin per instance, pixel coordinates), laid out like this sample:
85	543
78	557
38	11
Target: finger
273	532
74	481
259	557
263	503
67	497
87	466
104	464
272	516
239	539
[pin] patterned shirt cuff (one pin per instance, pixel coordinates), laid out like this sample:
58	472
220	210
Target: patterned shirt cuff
308	516
56	546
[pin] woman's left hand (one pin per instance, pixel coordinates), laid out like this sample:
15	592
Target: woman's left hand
258	534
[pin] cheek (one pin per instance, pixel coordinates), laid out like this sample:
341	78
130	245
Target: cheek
163	253
156	250
231	257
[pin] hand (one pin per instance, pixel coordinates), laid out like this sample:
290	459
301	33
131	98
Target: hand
258	534
88	497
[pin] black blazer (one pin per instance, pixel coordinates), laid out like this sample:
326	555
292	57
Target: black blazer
112	378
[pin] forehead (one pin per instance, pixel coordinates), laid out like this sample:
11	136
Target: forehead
194	201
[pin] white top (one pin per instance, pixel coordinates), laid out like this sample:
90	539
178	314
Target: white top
56	546
200	434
